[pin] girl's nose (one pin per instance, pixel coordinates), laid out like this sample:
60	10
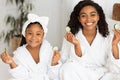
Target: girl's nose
33	36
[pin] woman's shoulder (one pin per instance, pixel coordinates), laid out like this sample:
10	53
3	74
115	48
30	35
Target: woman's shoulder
111	34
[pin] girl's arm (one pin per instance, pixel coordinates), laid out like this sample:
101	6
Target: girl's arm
6	58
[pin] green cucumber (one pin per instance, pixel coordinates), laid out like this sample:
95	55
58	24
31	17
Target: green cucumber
117	26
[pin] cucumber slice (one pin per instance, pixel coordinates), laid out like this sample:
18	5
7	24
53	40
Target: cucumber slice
68	29
117	26
55	48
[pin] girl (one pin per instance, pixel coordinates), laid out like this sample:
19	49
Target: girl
86	49
34	59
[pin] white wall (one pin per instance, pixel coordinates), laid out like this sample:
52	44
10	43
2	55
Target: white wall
58	11
4	75
52	10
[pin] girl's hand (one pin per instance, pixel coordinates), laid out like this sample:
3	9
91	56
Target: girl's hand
71	38
116	37
6	58
55	58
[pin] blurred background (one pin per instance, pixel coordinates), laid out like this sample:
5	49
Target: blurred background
58	12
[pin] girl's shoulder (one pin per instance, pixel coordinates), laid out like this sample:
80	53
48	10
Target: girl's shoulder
46	44
20	49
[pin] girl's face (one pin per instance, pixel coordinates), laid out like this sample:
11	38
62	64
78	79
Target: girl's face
88	17
34	35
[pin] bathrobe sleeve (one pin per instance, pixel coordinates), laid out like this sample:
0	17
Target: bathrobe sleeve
53	71
113	64
65	51
68	52
19	73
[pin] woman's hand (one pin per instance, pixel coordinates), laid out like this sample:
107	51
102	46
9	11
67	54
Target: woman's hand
71	38
55	58
115	41
116	37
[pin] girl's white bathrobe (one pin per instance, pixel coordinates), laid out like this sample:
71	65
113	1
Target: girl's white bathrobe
96	63
27	69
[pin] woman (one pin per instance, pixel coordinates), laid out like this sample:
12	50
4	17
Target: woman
86	51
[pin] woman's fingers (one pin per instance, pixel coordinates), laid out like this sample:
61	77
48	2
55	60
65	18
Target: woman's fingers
69	37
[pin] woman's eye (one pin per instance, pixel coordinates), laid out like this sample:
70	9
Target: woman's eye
83	16
93	14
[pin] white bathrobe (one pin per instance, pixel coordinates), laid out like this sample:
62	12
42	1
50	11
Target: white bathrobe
96	63
27	69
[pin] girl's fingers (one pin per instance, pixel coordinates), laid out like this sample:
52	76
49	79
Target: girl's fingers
4	54
56	54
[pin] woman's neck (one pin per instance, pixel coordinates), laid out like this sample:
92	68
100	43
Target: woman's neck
89	32
90	35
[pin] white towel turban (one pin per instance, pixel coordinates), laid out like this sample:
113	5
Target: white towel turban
43	20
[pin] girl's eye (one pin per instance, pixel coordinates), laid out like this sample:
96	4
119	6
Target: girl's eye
29	33
38	34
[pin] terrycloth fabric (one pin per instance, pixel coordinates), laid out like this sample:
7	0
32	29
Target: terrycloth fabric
43	20
96	62
27	69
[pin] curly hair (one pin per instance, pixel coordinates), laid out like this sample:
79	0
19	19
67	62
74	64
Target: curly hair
75	25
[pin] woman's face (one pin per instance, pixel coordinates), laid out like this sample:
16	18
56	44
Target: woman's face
88	17
34	35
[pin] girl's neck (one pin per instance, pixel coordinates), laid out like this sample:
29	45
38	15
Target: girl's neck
33	49
34	53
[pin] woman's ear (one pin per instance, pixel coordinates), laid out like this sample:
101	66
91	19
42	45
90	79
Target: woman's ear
98	17
78	18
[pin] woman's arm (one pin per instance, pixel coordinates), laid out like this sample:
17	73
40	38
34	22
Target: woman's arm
115	42
72	39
